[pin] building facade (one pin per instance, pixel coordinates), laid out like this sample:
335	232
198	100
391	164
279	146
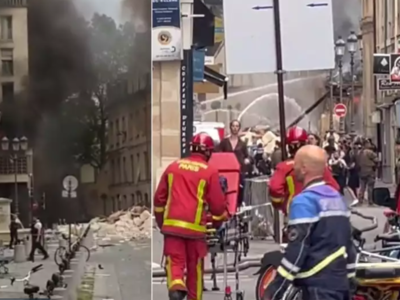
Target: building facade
129	146
16	174
380	26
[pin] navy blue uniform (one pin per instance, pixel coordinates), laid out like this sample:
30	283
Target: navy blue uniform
320	256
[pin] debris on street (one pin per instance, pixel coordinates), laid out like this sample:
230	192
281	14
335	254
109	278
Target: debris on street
122	226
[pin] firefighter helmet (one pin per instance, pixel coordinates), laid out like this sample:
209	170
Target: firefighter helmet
296	135
202	141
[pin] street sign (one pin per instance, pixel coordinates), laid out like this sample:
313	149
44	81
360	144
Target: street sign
340	110
250	35
70	183
395	67
66	194
385	84
381	64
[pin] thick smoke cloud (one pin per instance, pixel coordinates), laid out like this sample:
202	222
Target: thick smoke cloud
346	17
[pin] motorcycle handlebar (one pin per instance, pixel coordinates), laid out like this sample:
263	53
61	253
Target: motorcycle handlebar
365	217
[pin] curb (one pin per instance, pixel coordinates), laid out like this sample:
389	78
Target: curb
75	273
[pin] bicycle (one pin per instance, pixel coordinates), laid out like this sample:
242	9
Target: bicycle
62	253
32	291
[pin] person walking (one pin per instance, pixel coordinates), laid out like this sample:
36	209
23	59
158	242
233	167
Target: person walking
14	226
367	160
36	238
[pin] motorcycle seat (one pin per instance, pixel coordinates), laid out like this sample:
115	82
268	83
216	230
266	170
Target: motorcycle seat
378	273
31	289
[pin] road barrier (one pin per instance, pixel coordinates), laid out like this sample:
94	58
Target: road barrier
256	193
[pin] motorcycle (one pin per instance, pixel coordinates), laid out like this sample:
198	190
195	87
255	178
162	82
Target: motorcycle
375	281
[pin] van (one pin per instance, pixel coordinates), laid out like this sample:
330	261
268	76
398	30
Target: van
214	129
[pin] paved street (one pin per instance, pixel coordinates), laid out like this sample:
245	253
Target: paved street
19	270
123	271
257	249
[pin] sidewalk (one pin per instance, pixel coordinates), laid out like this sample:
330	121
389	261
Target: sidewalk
19	270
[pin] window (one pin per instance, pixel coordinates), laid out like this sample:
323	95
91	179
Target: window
131	125
133	200
7	62
6	28
138	171
113	180
125	176
7	89
119	202
124	202
123	130
118	177
132	169
146	165
117	132
111	134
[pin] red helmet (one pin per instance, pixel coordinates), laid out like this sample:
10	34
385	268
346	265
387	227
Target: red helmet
296	135
202	141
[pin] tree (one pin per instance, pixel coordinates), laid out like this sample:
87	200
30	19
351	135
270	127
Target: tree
111	49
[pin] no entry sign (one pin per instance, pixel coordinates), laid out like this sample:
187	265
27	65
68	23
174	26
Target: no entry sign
340	110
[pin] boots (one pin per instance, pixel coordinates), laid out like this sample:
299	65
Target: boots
176	295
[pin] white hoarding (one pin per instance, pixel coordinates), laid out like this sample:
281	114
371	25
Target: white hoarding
306	30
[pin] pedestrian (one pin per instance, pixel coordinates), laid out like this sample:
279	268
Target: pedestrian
320	254
313	139
36	238
367	160
234	144
338	167
181	214
276	156
14	226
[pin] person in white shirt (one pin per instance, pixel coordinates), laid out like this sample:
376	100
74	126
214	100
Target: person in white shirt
36	237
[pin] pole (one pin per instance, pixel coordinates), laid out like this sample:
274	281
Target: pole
14	159
341	123
331	103
281	99
69	222
352	123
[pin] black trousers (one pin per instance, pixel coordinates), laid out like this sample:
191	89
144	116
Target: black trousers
37	245
13	238
312	293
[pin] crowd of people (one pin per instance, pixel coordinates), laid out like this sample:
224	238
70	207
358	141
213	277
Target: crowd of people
352	161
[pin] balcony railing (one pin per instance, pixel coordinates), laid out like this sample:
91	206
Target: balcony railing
13	3
7	165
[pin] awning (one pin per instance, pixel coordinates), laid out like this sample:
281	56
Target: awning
216	78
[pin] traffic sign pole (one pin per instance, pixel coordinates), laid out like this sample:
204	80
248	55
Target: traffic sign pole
281	99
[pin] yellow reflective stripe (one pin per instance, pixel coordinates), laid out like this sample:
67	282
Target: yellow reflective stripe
277	200
219	218
199	275
170	181
170	282
200	201
159	209
186	225
168	271
351	275
323	264
291	190
285	274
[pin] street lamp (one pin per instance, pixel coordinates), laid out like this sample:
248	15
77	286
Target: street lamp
18	146
340	48
352	44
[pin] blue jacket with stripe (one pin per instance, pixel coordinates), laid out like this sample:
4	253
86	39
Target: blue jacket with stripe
320	252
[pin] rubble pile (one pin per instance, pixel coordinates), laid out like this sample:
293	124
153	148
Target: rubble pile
132	224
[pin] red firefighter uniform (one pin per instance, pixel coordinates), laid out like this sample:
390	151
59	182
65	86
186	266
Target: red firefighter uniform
188	190
283	186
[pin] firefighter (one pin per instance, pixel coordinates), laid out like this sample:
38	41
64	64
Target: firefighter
283	186
188	191
320	254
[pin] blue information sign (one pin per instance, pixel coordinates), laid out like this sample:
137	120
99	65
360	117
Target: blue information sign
198	65
166	31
